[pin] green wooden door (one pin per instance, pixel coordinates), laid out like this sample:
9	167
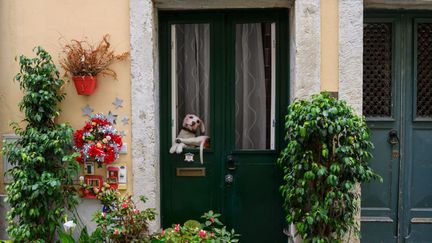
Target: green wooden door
239	75
397	102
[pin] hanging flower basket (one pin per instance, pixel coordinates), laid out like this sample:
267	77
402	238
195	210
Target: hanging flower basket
85	85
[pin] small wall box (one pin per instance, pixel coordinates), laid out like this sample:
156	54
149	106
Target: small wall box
89	168
113	176
95	181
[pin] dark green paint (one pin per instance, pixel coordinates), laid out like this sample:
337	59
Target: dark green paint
252	204
389	209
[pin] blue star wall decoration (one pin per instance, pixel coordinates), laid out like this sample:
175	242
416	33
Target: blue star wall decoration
111	117
87	111
125	120
118	103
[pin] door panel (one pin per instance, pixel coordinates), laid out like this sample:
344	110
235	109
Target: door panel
241	179
380	80
405	196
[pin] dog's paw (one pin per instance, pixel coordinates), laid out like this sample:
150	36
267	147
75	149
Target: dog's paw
179	148
172	149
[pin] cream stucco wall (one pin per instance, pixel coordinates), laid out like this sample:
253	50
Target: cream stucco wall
329	45
49	23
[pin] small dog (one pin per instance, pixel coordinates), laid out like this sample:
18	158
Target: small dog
187	136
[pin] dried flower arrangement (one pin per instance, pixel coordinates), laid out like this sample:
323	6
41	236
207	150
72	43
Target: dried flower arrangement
84	59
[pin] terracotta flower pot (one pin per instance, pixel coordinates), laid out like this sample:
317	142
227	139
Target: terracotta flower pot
85	85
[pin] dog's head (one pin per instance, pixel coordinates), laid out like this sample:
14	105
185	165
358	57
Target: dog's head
193	122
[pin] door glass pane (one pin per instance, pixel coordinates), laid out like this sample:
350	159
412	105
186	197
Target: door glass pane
377	69
190	63
254	86
424	70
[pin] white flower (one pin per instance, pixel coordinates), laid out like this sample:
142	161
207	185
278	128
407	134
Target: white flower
81	178
69	226
108	138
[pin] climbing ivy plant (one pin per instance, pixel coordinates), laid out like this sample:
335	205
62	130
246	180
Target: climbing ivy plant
326	155
44	165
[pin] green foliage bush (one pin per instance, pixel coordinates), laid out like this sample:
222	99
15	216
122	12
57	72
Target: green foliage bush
326	155
41	186
211	230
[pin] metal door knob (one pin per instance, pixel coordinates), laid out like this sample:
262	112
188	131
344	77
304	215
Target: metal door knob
229	179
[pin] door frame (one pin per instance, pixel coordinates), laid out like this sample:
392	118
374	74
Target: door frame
166	18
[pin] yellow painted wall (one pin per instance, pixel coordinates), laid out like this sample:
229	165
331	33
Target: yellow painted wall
27	23
329	45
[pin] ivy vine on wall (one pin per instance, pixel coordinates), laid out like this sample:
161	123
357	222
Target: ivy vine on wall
44	165
326	155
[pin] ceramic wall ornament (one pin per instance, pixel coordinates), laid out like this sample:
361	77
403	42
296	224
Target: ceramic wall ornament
113	176
189	157
87	111
90	185
89	168
118	103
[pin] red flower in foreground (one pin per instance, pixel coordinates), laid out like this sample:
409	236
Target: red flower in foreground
124	205
95	151
79	158
109	155
78	138
117	139
202	234
116	232
177	227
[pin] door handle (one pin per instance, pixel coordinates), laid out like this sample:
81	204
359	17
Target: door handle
393	137
231	163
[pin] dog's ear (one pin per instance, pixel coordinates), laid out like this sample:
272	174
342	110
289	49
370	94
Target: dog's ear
202	126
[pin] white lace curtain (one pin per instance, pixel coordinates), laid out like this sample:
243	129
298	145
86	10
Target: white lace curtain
250	97
193	69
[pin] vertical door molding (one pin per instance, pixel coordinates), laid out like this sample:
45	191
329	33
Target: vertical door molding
145	105
305	55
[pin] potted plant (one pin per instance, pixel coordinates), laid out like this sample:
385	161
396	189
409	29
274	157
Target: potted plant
326	157
84	61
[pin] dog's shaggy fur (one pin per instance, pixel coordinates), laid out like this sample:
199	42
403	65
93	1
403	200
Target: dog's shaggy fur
187	136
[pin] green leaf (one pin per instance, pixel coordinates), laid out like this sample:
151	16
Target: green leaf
65	238
303	132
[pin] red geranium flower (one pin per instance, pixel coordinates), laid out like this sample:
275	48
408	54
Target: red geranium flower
202	234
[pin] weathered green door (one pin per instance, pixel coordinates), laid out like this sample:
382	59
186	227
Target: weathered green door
230	68
397	102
